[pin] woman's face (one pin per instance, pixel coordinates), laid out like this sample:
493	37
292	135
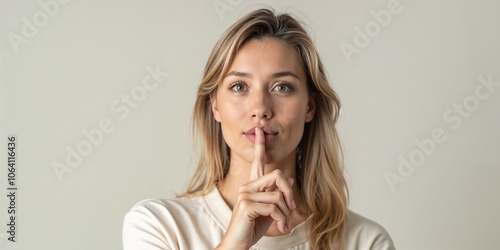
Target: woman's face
265	87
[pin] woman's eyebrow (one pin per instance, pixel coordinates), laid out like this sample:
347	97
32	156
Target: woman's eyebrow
283	74
274	75
238	73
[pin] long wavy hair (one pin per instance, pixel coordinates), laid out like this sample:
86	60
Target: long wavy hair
319	158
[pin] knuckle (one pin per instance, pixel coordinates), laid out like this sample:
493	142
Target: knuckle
241	197
241	190
278	195
244	204
275	209
278	173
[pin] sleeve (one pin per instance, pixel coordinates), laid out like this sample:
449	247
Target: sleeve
382	241
364	234
141	231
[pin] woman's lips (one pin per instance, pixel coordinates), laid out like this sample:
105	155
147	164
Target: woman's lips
269	135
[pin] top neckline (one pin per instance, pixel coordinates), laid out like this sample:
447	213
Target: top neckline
221	213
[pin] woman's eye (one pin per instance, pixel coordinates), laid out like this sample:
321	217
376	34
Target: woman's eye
282	87
237	87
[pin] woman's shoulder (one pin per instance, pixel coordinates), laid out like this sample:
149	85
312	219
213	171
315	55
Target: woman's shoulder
160	204
170	224
363	233
356	222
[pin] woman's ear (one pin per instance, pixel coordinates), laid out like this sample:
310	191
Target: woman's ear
213	103
311	109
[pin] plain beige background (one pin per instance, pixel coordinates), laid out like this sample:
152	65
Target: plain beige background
67	66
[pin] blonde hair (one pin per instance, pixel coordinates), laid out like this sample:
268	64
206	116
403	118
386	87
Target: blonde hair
319	166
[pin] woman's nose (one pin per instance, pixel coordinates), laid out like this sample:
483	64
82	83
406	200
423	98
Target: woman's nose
260	105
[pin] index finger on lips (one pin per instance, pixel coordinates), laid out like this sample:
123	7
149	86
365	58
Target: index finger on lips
259	155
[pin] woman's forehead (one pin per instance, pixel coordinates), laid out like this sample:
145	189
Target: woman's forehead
266	56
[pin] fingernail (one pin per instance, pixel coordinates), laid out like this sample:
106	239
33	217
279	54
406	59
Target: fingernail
290	181
287	226
293	204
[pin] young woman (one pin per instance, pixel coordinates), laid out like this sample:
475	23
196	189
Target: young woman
270	170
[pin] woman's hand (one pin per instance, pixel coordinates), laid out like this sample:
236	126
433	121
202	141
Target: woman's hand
264	199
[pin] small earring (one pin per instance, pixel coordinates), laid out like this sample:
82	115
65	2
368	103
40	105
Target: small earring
299	158
298	167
